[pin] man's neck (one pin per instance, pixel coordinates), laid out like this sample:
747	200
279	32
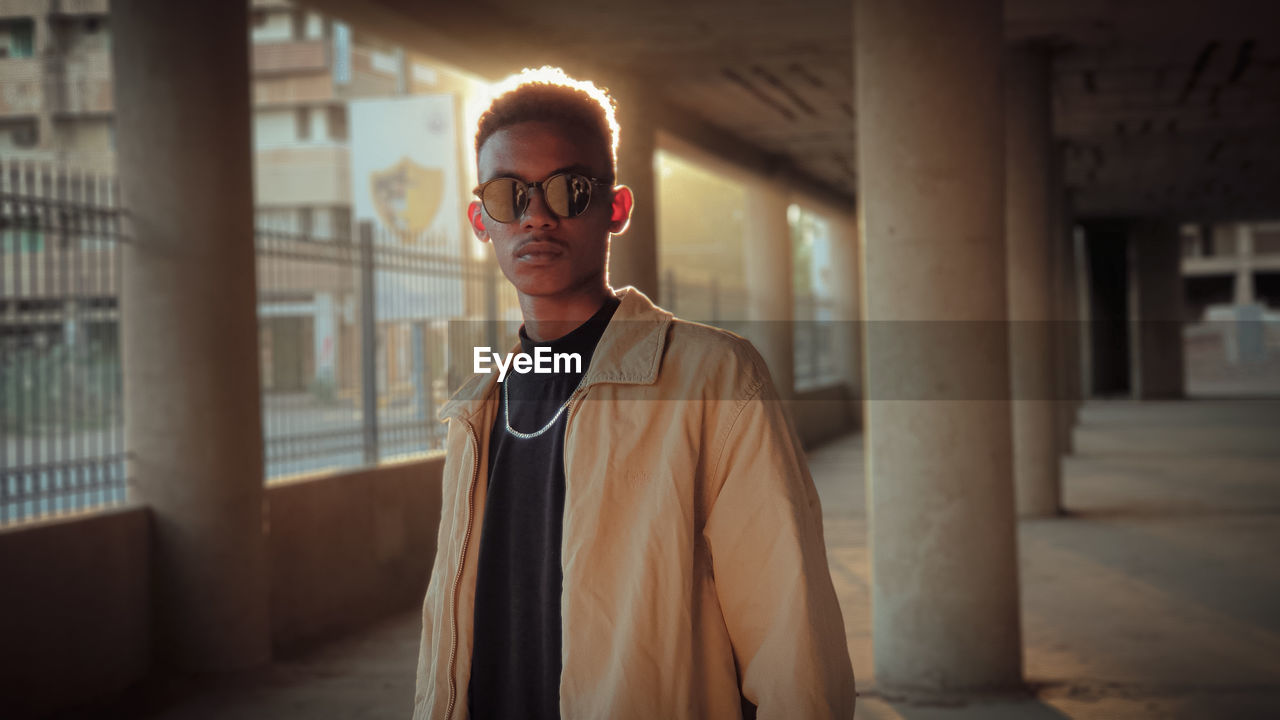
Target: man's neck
551	318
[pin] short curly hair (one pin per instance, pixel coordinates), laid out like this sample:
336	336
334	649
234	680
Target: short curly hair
547	94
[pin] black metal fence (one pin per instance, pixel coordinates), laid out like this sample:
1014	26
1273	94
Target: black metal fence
61	415
363	339
359	339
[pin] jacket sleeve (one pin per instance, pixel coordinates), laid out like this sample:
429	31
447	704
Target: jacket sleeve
423	690
764	532
431	691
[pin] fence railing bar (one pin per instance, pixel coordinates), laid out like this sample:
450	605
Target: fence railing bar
7	210
368	345
27	183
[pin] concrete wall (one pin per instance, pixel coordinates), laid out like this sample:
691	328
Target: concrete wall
303	174
275	127
74	609
349	549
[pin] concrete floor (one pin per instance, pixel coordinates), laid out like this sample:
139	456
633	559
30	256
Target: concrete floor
1157	596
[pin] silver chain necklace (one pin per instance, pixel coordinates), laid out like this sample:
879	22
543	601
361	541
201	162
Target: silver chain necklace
506	412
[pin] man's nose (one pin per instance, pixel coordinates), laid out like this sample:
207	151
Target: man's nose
537	214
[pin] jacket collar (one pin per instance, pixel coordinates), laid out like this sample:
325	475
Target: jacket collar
629	352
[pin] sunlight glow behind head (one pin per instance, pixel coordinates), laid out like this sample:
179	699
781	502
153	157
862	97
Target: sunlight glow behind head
553	76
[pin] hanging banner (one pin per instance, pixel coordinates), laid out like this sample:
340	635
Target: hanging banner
405	180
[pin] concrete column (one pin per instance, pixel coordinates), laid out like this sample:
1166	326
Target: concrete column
193	419
1204	243
633	256
1084	315
1063	326
1244	293
767	265
931	140
847	258
1246	339
1069	325
1031	302
1077	289
1222	239
1155	311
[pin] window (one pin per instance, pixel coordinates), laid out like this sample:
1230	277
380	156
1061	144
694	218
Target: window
25	135
816	308
302	117
314	27
337	122
342	223
17	38
701	224
306	218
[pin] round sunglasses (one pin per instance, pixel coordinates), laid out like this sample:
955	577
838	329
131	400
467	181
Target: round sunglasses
566	194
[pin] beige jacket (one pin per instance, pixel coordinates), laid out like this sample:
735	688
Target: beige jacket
695	572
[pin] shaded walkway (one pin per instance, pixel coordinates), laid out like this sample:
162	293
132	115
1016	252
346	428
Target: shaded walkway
1157	596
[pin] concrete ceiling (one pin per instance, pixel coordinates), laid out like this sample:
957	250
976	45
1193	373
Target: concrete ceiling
1163	107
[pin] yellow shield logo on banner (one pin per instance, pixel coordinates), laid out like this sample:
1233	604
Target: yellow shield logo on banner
407	197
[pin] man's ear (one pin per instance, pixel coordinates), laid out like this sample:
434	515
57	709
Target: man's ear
476	216
620	209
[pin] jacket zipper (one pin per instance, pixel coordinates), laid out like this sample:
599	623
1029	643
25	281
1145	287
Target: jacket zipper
457	578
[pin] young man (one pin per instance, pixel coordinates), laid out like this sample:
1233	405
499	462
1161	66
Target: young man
641	539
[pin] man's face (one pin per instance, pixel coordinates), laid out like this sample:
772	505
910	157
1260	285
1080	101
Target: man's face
542	254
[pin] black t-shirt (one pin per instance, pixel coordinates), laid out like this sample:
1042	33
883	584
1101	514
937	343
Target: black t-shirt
515	664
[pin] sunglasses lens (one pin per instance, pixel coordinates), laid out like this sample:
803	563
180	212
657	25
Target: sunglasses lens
505	199
567	195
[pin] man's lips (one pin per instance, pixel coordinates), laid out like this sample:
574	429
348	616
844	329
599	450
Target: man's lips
538	249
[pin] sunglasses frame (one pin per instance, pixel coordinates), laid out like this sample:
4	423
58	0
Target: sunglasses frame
528	188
